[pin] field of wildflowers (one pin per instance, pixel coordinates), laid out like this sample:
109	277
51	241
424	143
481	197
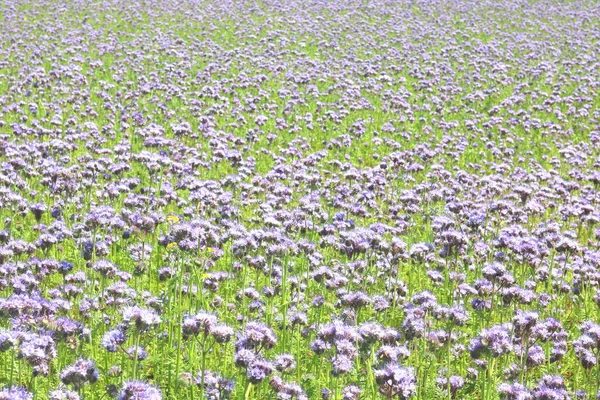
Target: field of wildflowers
299	199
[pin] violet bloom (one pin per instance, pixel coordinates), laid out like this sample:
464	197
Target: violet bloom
142	319
259	370
587	346
63	394
514	391
551	388
222	333
395	380
139	390
38	210
351	392
285	363
15	393
113	339
495	341
200	323
453	383
257	336
138	352
215	386
341	364
79	373
7	340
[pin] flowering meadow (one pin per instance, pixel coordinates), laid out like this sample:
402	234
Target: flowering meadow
299	199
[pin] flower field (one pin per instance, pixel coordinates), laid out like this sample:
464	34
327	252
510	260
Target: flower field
303	199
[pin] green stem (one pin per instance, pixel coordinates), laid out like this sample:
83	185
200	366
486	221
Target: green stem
135	360
203	367
248	393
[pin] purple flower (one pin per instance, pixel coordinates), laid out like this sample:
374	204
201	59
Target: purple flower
351	392
15	393
113	339
284	363
200	323
257	336
215	386
535	356
137	352
63	394
587	346
395	380
495	341
551	388
341	364
7	340
259	370
38	210
79	373
514	391
139	390
222	333
524	321
37	350
141	318
453	384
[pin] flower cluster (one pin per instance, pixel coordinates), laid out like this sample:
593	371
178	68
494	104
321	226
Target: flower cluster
293	199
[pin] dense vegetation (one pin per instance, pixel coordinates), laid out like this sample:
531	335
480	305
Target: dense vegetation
299	199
